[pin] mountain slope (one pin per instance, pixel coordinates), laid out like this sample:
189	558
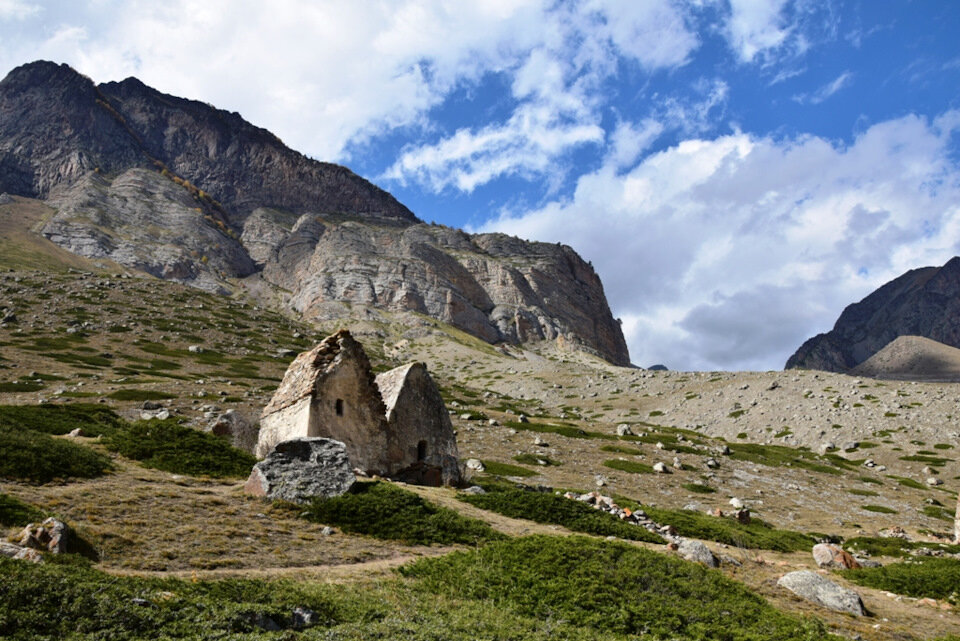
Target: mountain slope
913	358
922	302
187	192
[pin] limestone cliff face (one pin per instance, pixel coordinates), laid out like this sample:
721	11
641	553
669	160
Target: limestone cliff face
922	302
496	287
185	191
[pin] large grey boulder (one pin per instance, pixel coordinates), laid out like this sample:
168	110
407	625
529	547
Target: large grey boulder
697	552
300	469
822	591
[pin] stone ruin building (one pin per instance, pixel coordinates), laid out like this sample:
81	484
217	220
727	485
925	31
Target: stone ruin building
393	425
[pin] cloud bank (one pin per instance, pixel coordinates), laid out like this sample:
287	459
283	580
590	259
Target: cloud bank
727	253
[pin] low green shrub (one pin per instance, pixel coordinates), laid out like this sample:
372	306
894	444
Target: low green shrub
535	459
167	445
894	546
879	509
27	455
936	578
547	507
753	535
609	587
780	455
385	511
496	468
698	488
140	395
620	449
629	466
93	419
59	600
14	512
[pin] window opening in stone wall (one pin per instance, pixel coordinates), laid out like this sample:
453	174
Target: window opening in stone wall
421	450
338	407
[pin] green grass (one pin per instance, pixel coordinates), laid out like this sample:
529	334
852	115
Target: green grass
937	512
893	546
698	488
93	419
495	468
908	482
859	492
779	455
17	387
936	578
28	455
609	587
620	449
547	507
14	512
629	466
169	446
535	459
140	395
880	509
568	430
936	461
385	511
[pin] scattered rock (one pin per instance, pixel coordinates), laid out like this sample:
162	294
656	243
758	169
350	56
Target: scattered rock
822	591
75	433
475	465
933	480
828	555
624	430
661	468
301	469
303	617
475	489
736	503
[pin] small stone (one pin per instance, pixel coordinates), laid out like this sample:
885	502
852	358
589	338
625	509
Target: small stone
933	481
828	555
474	489
195	349
736	503
661	468
475	465
75	433
303	617
624	430
327	530
712	463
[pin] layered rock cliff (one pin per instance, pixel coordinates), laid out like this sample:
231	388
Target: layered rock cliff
922	302
185	191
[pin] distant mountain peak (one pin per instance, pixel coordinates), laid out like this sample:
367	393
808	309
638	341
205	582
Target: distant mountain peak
922	302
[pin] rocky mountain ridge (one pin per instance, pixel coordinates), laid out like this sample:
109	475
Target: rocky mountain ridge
187	192
922	302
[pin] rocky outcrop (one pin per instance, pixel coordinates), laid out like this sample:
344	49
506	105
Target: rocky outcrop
923	302
822	591
493	286
184	191
142	220
301	469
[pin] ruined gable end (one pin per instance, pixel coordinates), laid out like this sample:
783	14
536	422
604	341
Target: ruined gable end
421	436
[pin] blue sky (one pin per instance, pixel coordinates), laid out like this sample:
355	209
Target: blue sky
737	171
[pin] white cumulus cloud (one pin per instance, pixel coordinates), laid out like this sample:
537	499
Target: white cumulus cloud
727	253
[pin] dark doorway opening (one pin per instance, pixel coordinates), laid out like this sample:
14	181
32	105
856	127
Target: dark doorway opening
338	407
421	450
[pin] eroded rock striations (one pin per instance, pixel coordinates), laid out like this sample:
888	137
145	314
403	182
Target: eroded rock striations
184	191
923	302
